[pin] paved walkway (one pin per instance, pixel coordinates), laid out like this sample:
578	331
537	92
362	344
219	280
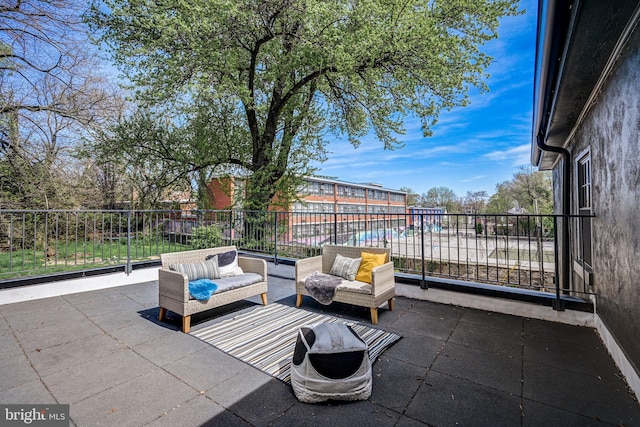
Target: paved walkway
104	353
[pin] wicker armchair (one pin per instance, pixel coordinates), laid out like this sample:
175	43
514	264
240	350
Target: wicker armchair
381	290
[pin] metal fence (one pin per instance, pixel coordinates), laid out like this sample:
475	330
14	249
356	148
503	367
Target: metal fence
509	250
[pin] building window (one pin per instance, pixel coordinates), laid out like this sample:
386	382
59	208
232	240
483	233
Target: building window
377	195
395	197
584	208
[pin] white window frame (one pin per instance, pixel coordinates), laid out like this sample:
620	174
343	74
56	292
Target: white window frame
584	206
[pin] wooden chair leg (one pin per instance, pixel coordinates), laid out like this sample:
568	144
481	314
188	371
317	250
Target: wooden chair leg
163	313
186	324
299	300
264	298
391	301
374	315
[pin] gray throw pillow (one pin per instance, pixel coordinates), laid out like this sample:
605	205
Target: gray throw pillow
344	267
224	258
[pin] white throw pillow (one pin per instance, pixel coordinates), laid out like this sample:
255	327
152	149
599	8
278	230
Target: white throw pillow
230	267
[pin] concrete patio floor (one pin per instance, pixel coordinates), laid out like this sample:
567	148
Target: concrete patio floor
105	353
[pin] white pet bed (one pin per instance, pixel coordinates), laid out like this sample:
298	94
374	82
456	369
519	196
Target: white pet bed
330	362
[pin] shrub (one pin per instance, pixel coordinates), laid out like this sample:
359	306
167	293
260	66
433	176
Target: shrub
206	236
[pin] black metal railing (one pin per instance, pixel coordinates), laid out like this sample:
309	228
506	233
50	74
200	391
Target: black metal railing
518	251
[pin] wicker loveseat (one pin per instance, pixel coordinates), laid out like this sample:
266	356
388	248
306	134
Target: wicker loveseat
372	295
174	286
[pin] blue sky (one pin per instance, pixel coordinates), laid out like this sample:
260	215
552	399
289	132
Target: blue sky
472	148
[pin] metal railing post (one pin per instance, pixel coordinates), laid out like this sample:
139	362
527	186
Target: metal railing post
35	241
128	269
558	304
423	280
46	236
275	238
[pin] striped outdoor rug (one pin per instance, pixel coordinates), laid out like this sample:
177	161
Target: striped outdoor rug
266	336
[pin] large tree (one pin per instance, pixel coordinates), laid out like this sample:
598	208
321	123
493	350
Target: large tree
290	70
412	197
50	97
150	179
475	201
441	197
533	190
529	189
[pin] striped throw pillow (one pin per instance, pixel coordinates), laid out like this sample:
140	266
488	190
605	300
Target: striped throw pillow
199	270
344	267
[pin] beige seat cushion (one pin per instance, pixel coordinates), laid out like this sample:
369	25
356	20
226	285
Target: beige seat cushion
355	286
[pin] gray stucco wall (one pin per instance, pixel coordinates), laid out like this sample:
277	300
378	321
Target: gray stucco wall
611	132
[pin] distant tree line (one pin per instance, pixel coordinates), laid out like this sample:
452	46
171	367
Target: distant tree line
529	191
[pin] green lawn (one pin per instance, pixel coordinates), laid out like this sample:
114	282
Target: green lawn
67	257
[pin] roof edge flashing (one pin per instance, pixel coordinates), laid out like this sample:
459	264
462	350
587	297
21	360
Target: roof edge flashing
555	26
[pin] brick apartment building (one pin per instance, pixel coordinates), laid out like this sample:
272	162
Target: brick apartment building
326	208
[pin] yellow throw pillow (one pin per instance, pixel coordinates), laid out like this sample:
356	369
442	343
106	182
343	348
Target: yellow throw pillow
369	262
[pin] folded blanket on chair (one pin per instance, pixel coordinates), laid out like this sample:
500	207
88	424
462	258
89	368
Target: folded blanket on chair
201	289
322	287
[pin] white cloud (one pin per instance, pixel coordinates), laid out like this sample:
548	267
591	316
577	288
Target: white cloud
473	178
518	155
